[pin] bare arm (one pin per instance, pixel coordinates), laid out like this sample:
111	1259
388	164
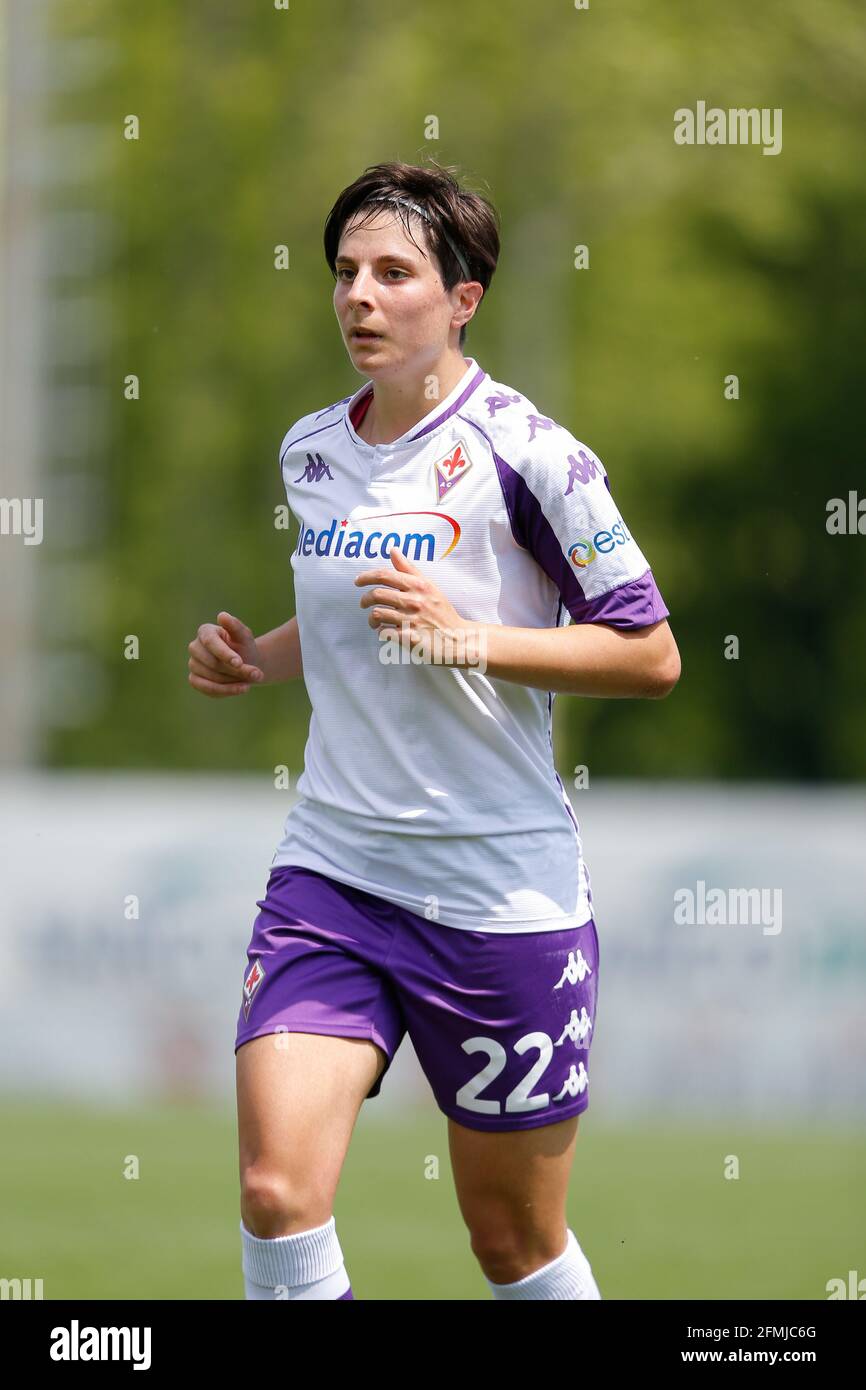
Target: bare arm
280	653
583	658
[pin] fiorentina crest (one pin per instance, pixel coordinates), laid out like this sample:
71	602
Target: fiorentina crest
450	469
255	975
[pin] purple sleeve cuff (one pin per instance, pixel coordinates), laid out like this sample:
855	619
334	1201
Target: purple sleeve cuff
635	604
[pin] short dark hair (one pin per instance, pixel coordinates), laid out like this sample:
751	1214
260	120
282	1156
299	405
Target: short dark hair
468	218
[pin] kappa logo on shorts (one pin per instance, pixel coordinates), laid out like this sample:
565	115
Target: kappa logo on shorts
577	1028
449	470
575	1083
575	971
254	977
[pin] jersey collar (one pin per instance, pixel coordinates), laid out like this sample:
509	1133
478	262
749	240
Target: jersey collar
435	420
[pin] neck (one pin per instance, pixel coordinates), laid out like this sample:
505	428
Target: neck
399	403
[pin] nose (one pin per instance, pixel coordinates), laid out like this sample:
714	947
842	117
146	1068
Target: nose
359	289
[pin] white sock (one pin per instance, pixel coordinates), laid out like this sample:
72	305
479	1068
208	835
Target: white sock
308	1264
568	1276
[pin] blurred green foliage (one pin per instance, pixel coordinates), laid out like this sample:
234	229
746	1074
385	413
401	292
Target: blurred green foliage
704	261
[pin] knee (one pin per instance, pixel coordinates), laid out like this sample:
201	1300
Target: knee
508	1250
271	1205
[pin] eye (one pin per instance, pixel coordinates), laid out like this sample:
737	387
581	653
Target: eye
394	270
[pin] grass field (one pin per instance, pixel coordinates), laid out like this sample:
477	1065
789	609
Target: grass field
650	1207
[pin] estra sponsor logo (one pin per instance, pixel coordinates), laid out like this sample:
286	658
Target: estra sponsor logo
372	541
582	553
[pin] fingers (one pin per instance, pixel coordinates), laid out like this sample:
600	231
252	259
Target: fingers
390	616
410	602
213	639
216	690
211	648
212	669
211	672
393	578
236	629
215	669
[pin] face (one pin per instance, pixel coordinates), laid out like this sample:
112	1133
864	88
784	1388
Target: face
386	284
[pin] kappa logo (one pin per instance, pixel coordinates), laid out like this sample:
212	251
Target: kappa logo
575	1083
315	470
449	470
254	977
540	422
575	971
577	1028
500	401
581	469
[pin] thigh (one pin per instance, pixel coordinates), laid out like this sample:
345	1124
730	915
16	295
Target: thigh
298	1097
502	1023
512	1185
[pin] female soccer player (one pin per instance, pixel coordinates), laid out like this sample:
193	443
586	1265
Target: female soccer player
430	878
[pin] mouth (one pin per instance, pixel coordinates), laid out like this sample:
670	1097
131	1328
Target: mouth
363	335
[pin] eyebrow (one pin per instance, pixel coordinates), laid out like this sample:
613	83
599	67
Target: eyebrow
388	256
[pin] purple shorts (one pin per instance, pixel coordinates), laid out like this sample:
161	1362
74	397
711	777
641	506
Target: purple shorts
501	1023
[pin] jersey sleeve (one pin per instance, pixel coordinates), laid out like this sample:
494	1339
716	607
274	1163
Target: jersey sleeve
562	511
285	447
300	439
305	431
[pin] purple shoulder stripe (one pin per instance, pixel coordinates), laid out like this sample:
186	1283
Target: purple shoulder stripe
636	603
341	401
531	528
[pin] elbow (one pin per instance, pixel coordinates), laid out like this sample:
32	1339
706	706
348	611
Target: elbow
663	678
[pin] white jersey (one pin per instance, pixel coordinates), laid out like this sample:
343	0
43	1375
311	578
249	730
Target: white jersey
430	786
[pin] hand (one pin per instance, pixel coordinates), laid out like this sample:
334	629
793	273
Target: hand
407	603
224	659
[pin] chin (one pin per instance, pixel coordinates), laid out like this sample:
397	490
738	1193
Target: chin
373	364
